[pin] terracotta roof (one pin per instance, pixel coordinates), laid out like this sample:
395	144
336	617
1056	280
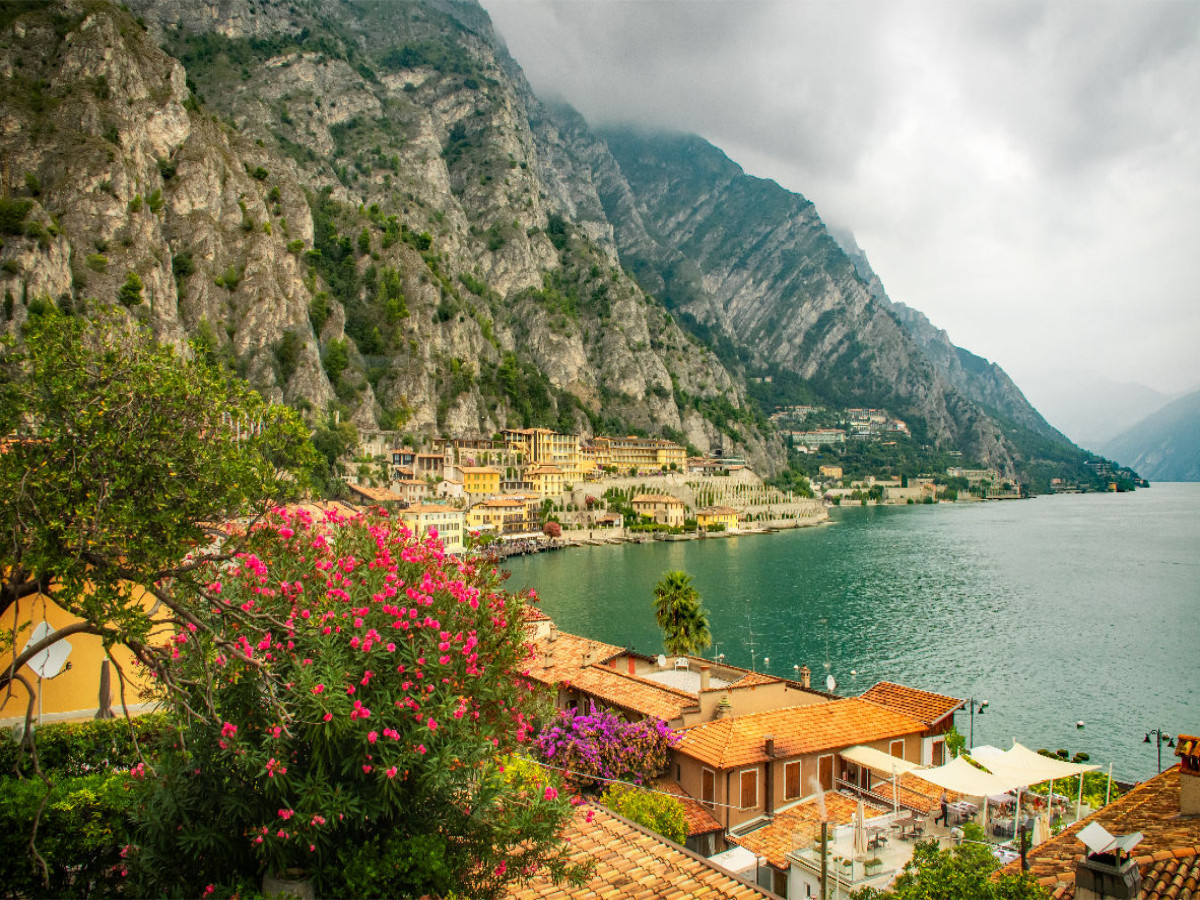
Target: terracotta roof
429	508
914	792
478	469
1167	875
799	825
633	863
738	741
376	495
699	819
924	705
567	659
500	502
533	614
1151	808
717	511
754	679
633	693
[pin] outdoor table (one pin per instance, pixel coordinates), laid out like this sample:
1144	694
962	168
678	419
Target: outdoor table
962	810
875	837
909	821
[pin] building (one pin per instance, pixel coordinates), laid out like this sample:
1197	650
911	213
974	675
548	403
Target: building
633	863
935	711
635	453
505	517
412	490
748	766
834	472
819	437
663	509
548	448
1164	863
429	465
546	480
725	517
445	520
480	482
402	458
373	496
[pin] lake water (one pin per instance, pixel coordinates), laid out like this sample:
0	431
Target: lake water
1055	610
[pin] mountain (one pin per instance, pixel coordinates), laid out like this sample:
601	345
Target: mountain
1092	409
363	209
1165	446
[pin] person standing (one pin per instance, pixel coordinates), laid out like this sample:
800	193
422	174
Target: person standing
945	816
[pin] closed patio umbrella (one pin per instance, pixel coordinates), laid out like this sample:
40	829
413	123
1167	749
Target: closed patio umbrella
860	829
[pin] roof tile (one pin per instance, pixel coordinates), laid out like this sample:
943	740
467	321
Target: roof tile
924	705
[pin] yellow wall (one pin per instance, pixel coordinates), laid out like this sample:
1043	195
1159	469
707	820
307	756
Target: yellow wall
74	692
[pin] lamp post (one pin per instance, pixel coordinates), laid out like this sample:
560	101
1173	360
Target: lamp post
974	704
1159	739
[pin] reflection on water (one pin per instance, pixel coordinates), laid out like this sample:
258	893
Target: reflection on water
1056	610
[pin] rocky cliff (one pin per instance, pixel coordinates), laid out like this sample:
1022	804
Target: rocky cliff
348	205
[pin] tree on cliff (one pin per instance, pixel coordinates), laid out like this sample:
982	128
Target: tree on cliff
679	614
119	457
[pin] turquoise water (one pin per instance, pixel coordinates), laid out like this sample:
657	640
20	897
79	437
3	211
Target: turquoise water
1055	610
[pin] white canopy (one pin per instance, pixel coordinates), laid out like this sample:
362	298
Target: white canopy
959	775
877	760
1023	767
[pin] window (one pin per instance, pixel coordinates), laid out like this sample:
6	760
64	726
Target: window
708	786
897	749
748	781
825	772
791	780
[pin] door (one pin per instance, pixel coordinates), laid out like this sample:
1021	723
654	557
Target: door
708	786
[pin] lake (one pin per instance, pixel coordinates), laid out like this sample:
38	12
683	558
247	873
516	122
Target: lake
1056	610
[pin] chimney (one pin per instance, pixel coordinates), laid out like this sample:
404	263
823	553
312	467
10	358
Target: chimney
1187	748
587	658
1107	870
704	676
769	746
724	708
553	632
805	677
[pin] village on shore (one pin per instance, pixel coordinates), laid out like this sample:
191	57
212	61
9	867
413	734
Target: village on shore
526	489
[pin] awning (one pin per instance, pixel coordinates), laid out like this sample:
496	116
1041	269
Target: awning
1024	767
959	775
877	760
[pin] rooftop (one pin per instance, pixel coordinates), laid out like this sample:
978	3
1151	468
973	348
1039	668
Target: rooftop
798	730
799	825
699	819
656	498
683	680
924	705
1151	808
376	495
634	863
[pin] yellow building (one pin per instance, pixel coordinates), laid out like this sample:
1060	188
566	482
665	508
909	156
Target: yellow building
662	508
546	480
72	693
717	515
549	448
480	482
447	520
830	471
505	516
642	454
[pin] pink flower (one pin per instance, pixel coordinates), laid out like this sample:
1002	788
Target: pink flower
432	724
286	814
208	891
328	717
228	729
421	748
391	773
551	793
286	532
319	689
373	736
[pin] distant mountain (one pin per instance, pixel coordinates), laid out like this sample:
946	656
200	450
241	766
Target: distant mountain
1092	410
1164	446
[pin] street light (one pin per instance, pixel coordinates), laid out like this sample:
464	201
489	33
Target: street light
1158	732
974	704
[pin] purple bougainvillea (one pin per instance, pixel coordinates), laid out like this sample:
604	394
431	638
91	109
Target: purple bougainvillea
600	744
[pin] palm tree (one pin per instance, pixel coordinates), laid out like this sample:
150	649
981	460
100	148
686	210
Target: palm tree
679	614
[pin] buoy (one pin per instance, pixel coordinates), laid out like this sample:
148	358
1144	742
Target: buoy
1079	724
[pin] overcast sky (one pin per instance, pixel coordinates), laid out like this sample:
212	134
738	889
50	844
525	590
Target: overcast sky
1025	174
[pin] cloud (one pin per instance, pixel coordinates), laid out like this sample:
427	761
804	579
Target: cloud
1026	174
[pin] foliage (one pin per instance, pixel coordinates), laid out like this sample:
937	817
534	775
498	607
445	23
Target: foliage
130	293
552	529
661	814
82	829
1096	785
963	871
600	744
124	455
679	614
955	742
85	748
12	215
359	731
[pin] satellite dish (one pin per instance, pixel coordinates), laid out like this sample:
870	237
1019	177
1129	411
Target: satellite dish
662	660
830	683
50	661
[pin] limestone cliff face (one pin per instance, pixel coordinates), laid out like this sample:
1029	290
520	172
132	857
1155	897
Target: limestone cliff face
356	206
755	265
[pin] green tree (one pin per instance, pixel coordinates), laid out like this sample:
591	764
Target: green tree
373	756
122	457
962	871
130	293
679	614
661	814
